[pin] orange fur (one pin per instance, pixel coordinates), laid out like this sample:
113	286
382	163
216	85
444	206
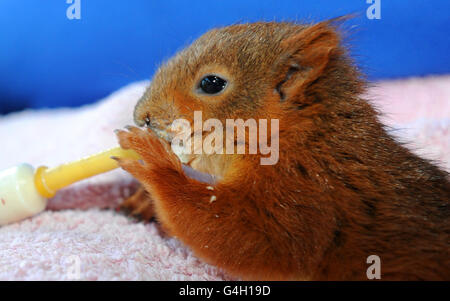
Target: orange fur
343	189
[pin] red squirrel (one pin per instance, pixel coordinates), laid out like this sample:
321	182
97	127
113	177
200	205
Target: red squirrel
343	189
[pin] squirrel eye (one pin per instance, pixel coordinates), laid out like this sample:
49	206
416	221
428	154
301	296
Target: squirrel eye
212	84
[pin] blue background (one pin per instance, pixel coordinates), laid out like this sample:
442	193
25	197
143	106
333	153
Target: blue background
47	60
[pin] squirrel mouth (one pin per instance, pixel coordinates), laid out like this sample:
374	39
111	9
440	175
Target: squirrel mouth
168	136
186	159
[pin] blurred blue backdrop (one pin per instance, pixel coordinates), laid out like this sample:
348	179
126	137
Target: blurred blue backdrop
47	60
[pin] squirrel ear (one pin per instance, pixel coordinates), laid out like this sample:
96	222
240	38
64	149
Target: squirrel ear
306	54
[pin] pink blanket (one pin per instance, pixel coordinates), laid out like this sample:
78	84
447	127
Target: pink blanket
81	236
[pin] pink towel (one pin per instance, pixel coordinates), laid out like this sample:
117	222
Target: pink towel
82	237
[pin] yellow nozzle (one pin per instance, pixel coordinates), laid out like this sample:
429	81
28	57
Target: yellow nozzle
50	180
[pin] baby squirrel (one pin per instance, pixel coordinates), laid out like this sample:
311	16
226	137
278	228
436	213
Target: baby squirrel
342	190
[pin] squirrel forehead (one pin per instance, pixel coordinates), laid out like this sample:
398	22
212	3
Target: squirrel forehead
238	47
261	36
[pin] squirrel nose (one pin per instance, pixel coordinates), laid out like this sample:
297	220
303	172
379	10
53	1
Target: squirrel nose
147	120
143	120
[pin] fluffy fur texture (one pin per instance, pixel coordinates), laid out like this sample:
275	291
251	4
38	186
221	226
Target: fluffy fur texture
342	190
113	247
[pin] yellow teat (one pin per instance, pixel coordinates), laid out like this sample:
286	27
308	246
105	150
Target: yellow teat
50	180
24	192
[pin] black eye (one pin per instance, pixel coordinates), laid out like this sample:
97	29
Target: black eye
212	84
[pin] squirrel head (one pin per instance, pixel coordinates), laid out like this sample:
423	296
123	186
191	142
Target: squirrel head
255	71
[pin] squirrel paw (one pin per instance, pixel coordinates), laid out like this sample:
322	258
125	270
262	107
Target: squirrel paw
139	205
155	153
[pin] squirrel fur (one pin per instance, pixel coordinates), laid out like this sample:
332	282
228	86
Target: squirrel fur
342	190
